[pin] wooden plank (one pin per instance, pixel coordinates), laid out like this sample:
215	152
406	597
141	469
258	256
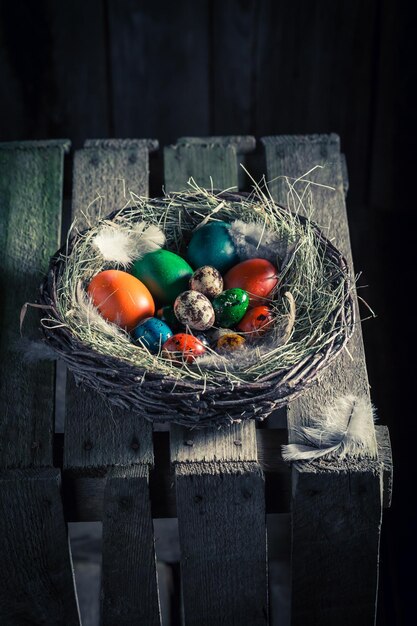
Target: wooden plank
216	166
229	494
59	87
36	579
221	515
98	435
324	491
128	547
311	74
235	35
159	58
83	495
30	198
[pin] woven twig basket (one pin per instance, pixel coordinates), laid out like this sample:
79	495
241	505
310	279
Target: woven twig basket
193	402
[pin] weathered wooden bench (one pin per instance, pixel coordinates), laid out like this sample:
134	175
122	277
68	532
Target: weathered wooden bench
221	485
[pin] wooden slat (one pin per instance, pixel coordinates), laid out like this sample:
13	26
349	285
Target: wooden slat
128	547
36	576
348	495
159	60
30	218
220	505
36	583
98	435
299	91
84	495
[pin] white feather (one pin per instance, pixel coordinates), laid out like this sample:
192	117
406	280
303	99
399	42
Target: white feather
253	240
345	429
122	246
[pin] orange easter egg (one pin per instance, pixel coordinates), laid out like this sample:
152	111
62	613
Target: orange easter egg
183	347
121	298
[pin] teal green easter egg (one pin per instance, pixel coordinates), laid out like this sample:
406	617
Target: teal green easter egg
230	306
165	274
212	245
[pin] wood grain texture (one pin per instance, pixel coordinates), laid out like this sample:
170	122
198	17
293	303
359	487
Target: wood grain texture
220	512
324	83
235	37
36	577
173	37
336	508
232	573
30	199
83	495
105	177
129	585
212	167
59	87
97	435
336	524
105	435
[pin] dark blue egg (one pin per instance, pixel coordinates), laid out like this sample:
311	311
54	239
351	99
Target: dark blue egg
152	333
212	245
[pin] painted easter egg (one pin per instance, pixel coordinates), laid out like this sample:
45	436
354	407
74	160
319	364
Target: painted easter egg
193	309
121	298
151	333
256	276
183	347
230	306
207	280
229	342
256	322
212	245
165	273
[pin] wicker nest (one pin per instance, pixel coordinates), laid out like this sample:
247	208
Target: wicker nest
217	390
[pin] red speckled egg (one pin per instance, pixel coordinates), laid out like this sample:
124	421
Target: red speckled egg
183	347
256	276
256	322
121	298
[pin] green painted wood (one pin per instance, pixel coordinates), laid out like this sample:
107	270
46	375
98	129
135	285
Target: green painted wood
36	577
100	438
36	580
128	549
337	508
30	218
220	505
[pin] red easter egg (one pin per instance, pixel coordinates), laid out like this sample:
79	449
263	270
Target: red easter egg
256	322
121	298
256	276
183	347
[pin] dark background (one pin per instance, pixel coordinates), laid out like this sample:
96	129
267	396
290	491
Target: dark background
129	68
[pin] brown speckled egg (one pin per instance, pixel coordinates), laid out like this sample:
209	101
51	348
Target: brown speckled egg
229	342
194	309
207	280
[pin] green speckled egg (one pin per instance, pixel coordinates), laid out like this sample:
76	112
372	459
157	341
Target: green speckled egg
230	306
212	245
165	274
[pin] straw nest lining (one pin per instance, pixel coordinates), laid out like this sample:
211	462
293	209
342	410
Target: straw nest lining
312	309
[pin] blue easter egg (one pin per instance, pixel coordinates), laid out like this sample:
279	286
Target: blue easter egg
152	333
212	245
